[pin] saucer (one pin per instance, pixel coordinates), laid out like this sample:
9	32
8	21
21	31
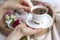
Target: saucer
45	23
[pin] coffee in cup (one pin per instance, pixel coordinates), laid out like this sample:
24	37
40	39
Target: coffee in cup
38	13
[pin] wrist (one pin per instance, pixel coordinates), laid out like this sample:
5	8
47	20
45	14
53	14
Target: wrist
18	33
15	35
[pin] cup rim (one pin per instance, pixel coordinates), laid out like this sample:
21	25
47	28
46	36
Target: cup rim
37	6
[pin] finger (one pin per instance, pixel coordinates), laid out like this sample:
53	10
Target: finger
27	3
26	30
30	31
24	7
38	30
14	5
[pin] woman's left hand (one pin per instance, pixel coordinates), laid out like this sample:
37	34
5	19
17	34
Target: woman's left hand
13	5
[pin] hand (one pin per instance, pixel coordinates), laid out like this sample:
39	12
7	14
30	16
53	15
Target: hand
22	30
26	2
13	5
27	30
15	35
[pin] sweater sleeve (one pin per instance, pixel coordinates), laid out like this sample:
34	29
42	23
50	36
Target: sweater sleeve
2	2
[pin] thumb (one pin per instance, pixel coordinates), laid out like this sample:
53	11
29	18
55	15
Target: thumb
21	25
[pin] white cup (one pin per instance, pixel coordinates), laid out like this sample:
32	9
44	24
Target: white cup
38	17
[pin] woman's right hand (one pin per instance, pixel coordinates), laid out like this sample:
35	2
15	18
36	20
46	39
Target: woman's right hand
27	30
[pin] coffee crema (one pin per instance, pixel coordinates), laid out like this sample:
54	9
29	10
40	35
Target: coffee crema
39	11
